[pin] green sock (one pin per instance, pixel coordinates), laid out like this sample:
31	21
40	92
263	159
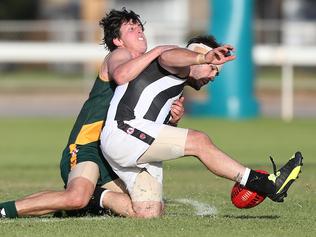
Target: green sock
8	209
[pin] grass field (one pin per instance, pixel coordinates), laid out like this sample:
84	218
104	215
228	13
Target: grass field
30	151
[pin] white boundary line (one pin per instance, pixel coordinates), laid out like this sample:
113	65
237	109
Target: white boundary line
201	209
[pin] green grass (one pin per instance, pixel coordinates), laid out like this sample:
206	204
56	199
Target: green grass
30	151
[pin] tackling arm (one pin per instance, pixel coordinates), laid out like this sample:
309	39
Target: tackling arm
123	67
178	60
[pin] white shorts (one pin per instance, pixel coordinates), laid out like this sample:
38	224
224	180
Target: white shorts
122	150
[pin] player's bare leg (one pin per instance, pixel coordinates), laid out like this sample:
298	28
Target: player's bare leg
146	196
198	144
119	203
116	199
173	143
219	163
79	189
111	196
274	185
76	196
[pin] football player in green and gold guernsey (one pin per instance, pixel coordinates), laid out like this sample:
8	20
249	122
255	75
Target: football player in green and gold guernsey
83	168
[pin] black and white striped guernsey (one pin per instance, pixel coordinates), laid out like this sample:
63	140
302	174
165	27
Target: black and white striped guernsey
149	96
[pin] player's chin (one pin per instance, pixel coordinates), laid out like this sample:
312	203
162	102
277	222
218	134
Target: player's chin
144	47
207	79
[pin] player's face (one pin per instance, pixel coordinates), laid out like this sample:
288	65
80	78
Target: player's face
204	71
133	37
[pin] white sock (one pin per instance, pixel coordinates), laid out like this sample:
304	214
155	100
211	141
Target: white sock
245	177
102	196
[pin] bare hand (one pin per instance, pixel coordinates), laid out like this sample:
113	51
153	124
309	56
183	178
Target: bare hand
177	110
219	56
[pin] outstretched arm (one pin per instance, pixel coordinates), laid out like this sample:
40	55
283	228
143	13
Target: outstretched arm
123	66
178	60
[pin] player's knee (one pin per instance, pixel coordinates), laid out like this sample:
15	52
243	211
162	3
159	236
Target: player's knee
148	210
75	200
197	142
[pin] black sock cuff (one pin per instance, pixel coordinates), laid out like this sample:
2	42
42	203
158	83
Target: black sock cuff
96	196
8	209
260	183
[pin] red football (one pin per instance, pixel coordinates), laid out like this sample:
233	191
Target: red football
244	198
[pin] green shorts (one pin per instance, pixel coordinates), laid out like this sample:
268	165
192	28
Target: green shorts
88	152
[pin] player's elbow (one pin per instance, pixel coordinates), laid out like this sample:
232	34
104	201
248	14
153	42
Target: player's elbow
119	77
164	60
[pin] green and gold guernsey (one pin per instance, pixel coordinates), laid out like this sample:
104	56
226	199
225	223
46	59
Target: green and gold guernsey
90	120
84	140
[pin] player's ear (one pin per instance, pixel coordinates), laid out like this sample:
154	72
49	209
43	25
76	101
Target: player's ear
118	42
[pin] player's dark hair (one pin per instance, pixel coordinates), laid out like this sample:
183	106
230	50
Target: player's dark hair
208	40
112	22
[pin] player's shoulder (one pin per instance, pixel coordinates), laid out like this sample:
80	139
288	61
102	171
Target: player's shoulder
119	53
